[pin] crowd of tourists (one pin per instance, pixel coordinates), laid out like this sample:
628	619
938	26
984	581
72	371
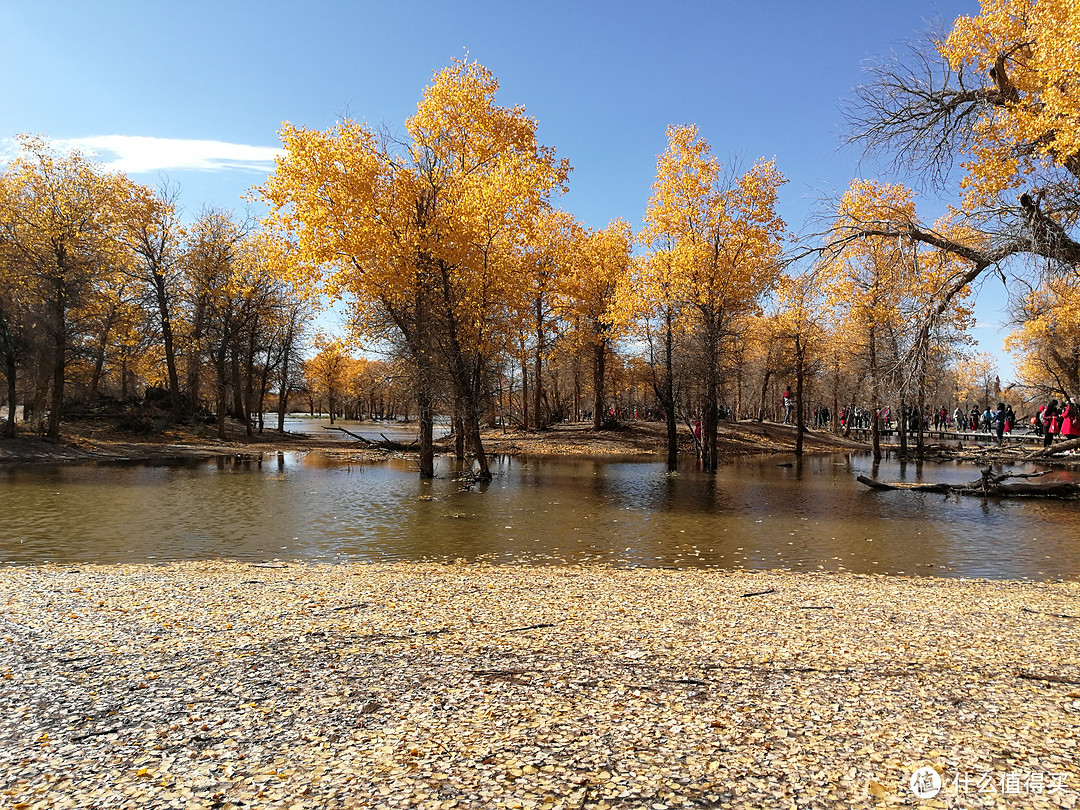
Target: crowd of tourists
1056	419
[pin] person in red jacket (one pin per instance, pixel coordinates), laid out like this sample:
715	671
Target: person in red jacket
1070	419
1051	422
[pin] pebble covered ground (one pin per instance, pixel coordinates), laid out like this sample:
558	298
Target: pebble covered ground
229	684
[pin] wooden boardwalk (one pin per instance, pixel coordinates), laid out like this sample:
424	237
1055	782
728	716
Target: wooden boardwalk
965	436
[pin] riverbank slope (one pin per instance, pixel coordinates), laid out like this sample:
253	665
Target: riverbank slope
228	684
104	440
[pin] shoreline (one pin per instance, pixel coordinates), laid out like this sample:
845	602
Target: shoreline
471	685
96	442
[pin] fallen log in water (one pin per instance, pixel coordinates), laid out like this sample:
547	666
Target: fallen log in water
385	444
989	486
1059	447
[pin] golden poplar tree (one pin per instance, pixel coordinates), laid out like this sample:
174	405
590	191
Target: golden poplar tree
61	217
723	243
424	237
545	265
1047	338
801	324
999	97
867	281
599	274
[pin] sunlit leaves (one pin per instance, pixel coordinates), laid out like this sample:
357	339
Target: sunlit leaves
1029	54
1047	338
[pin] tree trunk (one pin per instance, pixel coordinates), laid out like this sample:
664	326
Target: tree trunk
248	385
901	428
239	406
875	405
426	407
9	373
800	375
764	393
193	362
599	358
524	390
667	396
283	392
222	388
99	361
167	342
538	367
920	444
59	360
459	437
709	460
472	428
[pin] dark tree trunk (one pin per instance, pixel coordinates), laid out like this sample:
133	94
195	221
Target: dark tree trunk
599	358
59	360
459	431
162	299
248	384
9	373
426	407
709	411
220	361
764	393
193	362
239	407
283	391
524	392
800	376
901	427
666	395
99	362
538	365
875	406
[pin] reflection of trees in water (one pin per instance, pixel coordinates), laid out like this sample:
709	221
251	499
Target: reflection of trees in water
754	512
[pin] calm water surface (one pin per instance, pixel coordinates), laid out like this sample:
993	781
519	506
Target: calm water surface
755	513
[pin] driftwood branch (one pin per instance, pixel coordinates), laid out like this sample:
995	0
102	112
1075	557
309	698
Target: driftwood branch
529	627
989	485
1055	615
1034	676
1054	449
100	733
385	444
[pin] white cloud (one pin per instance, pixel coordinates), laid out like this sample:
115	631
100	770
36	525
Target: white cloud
136	154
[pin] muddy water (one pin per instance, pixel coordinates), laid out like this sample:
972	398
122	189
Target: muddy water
755	513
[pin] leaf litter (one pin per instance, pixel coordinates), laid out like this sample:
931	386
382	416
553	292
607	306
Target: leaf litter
227	685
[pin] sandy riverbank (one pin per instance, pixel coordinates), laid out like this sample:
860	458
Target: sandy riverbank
217	684
103	441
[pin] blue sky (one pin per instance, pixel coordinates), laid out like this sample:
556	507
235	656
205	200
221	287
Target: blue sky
196	91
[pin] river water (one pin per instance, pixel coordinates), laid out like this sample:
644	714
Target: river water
755	513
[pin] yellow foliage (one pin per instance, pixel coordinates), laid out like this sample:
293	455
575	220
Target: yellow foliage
446	216
715	241
1048	338
1030	53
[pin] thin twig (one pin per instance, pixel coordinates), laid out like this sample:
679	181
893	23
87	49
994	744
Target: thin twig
1033	676
529	627
1055	615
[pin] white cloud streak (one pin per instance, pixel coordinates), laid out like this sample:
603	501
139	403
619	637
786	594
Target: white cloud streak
136	154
